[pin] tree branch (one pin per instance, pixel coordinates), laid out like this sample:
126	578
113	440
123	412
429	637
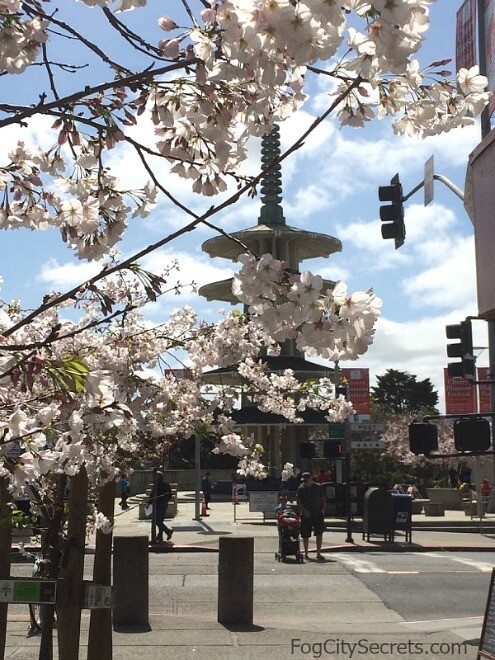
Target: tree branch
23	112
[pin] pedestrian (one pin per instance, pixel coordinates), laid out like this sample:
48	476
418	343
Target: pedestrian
465	474
413	492
453	477
125	491
311	501
486	489
206	488
282	504
162	494
323	477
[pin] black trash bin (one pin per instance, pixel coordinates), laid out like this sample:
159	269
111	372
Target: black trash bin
402	515
377	513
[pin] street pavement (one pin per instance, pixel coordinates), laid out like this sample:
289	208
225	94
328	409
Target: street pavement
309	610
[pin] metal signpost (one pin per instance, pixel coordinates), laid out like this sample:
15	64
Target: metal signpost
350	445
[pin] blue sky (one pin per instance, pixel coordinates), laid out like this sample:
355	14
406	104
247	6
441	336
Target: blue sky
330	186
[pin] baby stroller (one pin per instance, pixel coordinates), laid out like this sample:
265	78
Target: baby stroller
288	525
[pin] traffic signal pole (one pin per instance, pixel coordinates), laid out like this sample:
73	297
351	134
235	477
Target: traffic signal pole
491	375
347	465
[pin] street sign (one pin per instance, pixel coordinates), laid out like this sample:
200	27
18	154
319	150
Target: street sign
363	427
429	181
368	444
337	431
264	501
22	590
98	596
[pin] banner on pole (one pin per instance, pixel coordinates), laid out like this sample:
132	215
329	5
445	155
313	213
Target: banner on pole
465	36
358	386
485	404
460	395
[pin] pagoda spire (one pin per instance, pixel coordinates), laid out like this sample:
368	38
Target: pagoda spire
271	213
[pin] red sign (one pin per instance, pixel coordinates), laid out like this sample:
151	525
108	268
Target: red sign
465	39
460	395
489	20
358	386
485	404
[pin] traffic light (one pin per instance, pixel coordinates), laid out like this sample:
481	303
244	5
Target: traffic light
462	349
423	438
332	449
392	214
307	450
341	390
472	434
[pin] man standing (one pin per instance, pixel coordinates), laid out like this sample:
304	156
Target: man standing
311	501
162	494
206	488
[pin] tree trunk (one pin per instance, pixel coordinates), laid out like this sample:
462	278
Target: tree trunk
53	517
100	627
5	555
72	568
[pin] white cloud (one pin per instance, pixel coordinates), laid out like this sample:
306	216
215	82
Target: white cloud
366	237
450	282
61	277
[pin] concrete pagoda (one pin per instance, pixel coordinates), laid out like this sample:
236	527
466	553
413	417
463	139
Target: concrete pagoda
283	441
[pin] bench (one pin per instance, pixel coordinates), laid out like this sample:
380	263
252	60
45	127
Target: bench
418	504
434	509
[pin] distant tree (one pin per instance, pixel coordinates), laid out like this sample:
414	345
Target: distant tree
400	392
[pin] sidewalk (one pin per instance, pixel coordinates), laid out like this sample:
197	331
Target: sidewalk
309	610
202	535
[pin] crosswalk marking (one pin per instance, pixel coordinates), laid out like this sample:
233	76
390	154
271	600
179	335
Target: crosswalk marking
365	566
359	565
483	566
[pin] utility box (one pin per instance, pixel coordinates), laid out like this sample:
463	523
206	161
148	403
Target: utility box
377	514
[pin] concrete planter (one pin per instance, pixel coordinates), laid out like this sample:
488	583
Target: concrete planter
451	498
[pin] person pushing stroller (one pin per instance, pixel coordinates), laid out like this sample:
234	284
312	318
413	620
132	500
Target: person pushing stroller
288	527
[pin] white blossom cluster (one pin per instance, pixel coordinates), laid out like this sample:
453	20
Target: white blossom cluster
327	323
232	444
251	466
20	40
116	5
231	340
88	206
287	471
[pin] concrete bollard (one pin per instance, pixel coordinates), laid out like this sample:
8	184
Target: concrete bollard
235	580
130	580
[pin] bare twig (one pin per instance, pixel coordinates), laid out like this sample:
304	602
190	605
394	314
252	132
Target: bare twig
23	112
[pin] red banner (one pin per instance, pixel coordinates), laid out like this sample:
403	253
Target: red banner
489	20
358	386
465	38
460	395
485	404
